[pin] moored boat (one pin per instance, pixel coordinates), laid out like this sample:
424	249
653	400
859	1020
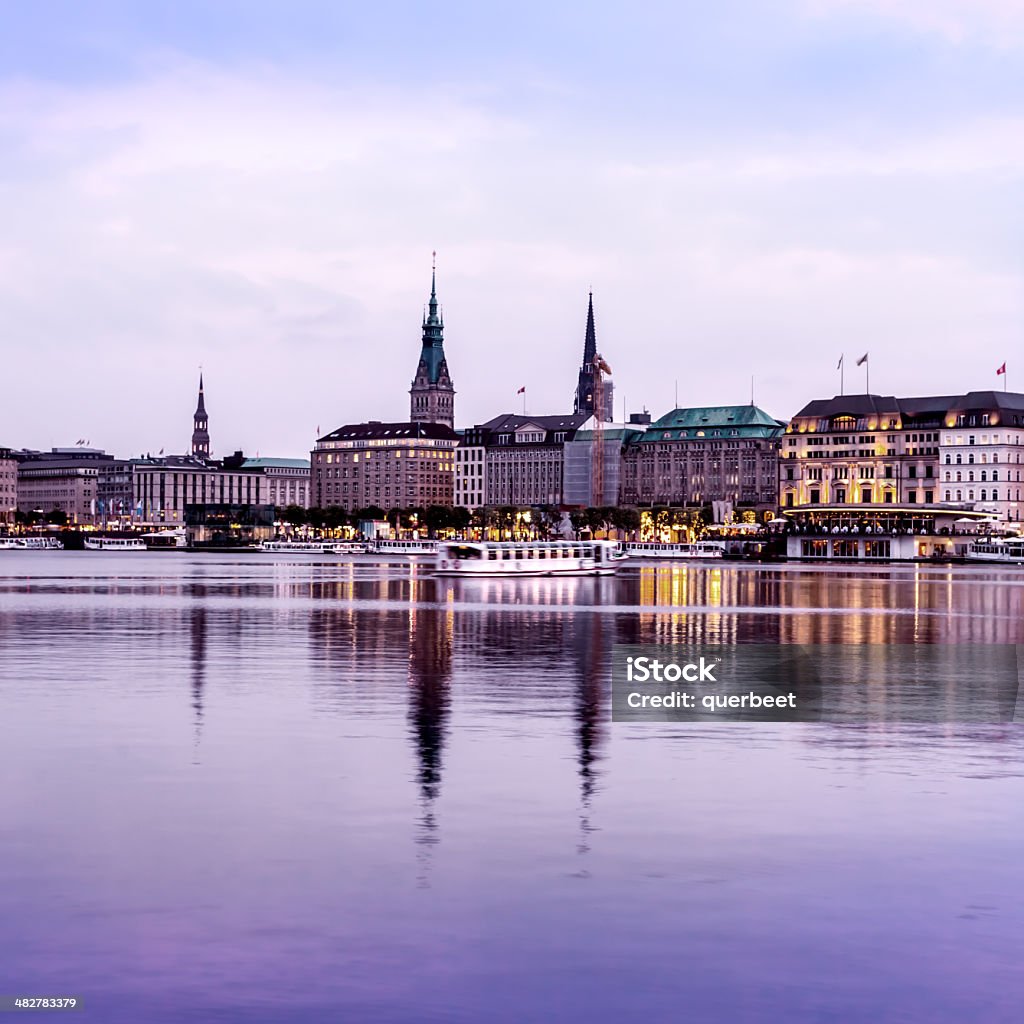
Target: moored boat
653	549
1008	550
313	547
540	558
404	547
115	544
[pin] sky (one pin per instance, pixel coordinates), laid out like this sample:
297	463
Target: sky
751	190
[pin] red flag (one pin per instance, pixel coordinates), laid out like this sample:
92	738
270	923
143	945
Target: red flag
1002	369
521	390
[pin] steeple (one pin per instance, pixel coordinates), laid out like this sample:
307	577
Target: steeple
584	400
200	426
590	338
432	395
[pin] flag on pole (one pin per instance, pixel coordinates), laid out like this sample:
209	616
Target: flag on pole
839	365
522	390
863	359
1001	370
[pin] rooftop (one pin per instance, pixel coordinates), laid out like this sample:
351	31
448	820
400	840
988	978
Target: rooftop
374	430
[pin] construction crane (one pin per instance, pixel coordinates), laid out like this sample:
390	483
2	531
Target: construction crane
600	370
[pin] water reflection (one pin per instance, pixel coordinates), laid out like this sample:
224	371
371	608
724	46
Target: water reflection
430	665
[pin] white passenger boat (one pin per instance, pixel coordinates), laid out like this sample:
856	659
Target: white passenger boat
404	547
31	543
115	544
1009	550
540	558
653	549
313	547
162	539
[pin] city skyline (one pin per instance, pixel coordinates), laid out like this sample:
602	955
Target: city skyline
755	190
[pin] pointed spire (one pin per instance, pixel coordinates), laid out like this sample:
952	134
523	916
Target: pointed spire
201	406
590	339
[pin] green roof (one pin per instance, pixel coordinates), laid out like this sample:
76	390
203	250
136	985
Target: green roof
716	416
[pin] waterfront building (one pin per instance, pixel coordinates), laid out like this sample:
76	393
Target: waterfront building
703	456
62	479
586	386
471	469
389	465
396	465
514	460
8	487
287	480
163	486
980	448
200	427
432	394
863	453
581	489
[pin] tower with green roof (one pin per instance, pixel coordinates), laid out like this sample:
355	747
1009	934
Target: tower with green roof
432	395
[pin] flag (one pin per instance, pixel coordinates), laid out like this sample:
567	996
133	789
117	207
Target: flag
839	365
161	451
1002	369
521	390
863	359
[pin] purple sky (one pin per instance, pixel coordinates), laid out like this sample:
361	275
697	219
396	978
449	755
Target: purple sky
749	189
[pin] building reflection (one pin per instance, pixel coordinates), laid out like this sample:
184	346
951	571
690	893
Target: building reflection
431	639
197	626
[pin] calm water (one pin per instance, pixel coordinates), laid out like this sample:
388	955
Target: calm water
235	789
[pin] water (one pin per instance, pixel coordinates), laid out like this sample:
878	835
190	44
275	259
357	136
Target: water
239	789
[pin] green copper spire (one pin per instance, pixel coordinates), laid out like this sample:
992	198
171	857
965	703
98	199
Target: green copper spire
433	332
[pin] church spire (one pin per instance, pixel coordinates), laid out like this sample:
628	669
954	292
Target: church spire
584	399
200	426
590	338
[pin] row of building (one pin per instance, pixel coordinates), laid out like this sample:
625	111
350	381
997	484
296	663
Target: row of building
846	456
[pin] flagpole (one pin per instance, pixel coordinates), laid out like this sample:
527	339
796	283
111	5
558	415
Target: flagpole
842	374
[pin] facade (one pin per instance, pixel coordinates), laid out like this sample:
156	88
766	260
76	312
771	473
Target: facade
200	427
980	450
471	469
388	465
700	456
586	386
8	487
862	452
581	488
65	479
287	480
164	486
514	460
432	395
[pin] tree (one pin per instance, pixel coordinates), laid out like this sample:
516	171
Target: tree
56	517
293	515
436	517
626	519
460	518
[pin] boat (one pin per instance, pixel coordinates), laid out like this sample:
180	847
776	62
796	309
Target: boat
654	549
404	547
1008	550
539	558
163	539
313	547
115	544
31	544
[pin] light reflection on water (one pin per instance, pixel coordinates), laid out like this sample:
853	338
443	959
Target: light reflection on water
244	789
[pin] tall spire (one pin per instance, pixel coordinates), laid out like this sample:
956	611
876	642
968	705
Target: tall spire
585	388
200	425
590	339
432	394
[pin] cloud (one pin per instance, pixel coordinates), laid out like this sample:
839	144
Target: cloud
277	228
994	23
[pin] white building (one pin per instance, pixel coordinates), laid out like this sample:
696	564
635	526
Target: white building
980	453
